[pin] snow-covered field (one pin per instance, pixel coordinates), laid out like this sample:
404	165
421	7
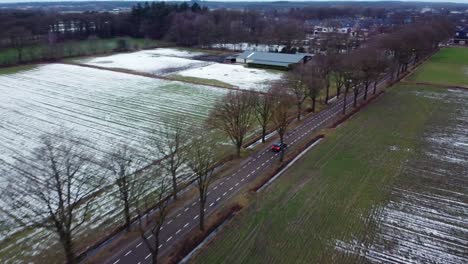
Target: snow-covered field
157	61
169	61
234	74
100	106
104	108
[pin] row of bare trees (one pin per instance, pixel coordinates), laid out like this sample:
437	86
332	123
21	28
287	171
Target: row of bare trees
237	113
61	185
353	71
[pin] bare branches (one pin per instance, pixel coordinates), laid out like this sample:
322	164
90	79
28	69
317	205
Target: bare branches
170	143
201	160
122	163
315	81
281	110
263	108
234	116
152	191
54	190
294	82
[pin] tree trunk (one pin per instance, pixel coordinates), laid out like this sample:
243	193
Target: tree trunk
338	91
155	254
238	149
344	102
366	88
20	54
126	212
375	87
154	258
327	95
356	93
202	214
299	110
313	103
282	149
174	184
263	133
68	248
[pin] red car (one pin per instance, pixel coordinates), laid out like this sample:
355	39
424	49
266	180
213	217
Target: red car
277	147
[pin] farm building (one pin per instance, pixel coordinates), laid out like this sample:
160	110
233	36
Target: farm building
461	36
271	59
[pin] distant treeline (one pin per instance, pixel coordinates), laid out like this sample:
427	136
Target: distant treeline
181	23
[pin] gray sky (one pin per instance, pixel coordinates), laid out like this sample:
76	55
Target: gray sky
17	1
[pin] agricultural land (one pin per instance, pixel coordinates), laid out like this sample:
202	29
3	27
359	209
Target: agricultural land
389	186
104	106
447	67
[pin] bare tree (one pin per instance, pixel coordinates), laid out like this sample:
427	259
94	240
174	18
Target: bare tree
170	143
201	160
315	82
234	116
338	76
19	38
263	111
152	194
280	115
122	163
294	82
352	77
325	65
53	189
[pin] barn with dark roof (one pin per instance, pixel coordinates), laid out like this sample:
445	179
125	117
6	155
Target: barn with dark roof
271	59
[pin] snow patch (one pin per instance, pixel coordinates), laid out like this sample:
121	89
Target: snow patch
237	75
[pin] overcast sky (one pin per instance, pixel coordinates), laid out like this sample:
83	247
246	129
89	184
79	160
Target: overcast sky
16	1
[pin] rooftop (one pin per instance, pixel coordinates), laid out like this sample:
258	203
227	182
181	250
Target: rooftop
272	57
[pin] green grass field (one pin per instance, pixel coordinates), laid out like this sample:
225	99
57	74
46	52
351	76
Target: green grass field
73	49
449	67
329	195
